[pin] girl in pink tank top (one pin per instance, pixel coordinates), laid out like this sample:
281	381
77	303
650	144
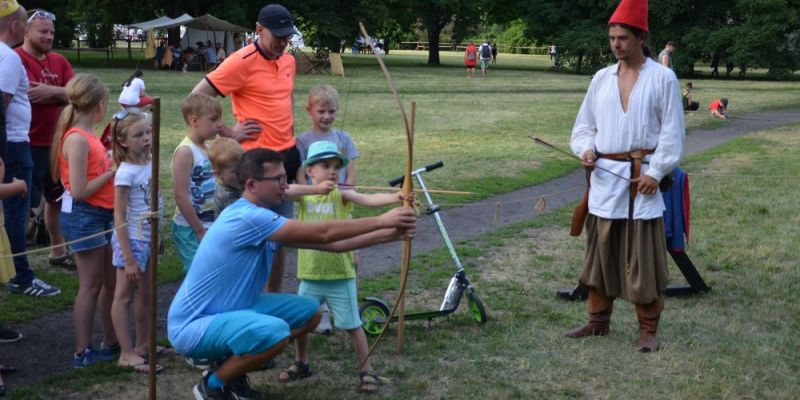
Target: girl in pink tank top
80	161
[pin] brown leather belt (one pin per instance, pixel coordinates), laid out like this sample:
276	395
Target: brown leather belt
635	157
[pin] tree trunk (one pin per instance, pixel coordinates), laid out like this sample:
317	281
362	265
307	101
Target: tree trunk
433	45
579	63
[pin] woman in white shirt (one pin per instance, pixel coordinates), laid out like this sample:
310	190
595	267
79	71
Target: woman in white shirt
133	94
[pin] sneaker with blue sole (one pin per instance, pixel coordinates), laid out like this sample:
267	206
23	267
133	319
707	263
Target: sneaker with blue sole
90	356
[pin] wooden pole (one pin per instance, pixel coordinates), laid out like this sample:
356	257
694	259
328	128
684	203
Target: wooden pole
152	269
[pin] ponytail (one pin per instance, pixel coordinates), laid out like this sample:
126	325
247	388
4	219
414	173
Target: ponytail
84	92
64	122
136	74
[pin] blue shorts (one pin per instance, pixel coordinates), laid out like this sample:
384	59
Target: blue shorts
86	220
256	329
186	243
139	248
341	297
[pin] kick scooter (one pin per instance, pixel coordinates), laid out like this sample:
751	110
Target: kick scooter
374	311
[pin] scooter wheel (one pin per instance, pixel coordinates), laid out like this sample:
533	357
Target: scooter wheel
476	308
374	316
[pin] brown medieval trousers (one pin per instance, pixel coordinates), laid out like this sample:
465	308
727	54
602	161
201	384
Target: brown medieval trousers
642	279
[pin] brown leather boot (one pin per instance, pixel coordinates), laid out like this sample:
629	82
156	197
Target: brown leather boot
600	308
649	316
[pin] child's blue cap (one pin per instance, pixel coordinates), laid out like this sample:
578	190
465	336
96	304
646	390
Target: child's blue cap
324	150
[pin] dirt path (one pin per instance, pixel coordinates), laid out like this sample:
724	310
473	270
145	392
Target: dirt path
46	347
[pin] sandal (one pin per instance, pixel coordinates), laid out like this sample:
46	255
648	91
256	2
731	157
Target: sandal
298	370
142	368
370	381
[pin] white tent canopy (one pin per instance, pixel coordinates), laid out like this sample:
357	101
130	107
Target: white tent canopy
201	29
161	22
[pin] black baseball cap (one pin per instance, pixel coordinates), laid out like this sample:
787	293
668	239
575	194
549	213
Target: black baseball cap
277	19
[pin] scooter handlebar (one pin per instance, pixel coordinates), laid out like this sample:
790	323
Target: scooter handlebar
427	168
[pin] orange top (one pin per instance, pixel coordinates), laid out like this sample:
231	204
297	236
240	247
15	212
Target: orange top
261	90
97	164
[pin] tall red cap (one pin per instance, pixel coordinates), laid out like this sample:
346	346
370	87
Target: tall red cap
631	12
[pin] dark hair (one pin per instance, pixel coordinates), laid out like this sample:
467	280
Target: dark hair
136	74
689	85
671	43
251	165
640	34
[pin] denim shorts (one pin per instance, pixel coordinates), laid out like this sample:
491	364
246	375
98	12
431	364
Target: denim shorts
139	248
86	220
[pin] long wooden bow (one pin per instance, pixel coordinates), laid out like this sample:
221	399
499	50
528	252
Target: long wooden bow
399	305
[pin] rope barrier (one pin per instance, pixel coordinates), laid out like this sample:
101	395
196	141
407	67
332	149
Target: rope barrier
144	216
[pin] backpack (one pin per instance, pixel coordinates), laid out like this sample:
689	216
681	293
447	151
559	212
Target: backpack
486	51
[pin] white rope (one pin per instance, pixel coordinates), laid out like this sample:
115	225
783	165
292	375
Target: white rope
144	216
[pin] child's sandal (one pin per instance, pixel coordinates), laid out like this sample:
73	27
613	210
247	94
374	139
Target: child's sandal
370	381
298	370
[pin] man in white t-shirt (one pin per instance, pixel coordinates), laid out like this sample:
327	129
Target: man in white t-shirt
18	162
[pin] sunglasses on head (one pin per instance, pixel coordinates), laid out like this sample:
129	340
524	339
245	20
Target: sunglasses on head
119	116
42	14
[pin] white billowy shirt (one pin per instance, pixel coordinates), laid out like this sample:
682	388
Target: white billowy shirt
654	121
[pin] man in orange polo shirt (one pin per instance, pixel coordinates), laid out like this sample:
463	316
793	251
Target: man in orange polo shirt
260	78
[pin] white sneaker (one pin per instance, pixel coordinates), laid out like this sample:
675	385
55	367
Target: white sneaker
324	326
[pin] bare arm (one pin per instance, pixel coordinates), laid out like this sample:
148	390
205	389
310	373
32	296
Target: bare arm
121	194
40	93
351	173
304	233
15	187
76	151
361	241
664	60
181	168
372	199
296	191
246	130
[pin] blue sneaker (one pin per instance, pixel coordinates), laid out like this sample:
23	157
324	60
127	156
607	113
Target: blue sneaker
89	357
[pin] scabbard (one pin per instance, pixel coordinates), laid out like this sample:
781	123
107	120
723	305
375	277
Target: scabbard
582	209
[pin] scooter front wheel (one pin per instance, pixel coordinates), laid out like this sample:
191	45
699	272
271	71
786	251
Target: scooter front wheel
374	316
476	308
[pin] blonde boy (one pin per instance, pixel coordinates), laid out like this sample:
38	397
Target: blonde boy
323	104
193	177
329	276
224	154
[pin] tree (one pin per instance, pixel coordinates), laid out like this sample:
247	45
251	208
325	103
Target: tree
435	15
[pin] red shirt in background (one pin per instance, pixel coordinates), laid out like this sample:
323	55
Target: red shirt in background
54	70
715	105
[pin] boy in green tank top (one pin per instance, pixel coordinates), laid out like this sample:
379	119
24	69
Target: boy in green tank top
330	276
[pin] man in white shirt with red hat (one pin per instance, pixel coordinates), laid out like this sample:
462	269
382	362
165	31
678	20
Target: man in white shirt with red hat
630	123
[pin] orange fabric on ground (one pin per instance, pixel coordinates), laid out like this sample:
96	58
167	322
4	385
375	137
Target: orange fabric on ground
260	90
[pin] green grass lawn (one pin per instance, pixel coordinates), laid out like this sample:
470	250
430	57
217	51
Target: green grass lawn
478	127
738	341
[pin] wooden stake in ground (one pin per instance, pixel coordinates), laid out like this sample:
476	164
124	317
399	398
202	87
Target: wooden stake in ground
152	269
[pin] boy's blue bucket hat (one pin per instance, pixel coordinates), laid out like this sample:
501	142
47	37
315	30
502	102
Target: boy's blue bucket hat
324	150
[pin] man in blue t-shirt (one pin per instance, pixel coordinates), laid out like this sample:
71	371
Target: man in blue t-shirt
219	311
